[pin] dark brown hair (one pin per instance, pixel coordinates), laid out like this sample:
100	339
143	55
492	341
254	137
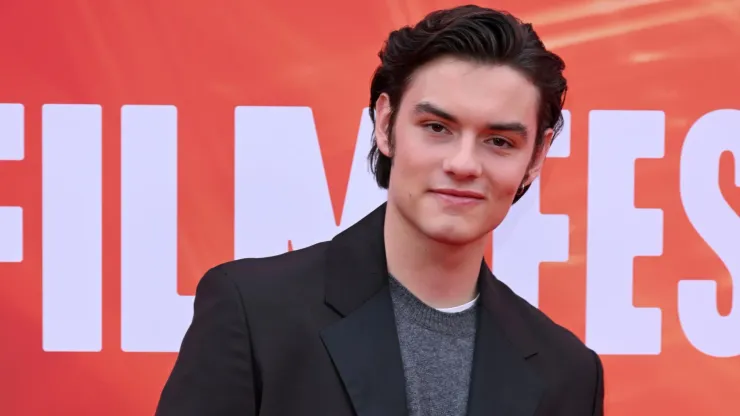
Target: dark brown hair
474	33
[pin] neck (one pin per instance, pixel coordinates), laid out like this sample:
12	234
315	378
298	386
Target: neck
440	275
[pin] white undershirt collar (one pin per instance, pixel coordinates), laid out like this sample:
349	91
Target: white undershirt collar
459	308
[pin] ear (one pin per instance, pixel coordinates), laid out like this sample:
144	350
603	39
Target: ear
382	122
535	168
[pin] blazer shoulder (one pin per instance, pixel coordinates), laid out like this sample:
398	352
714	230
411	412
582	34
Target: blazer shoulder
567	357
285	276
550	335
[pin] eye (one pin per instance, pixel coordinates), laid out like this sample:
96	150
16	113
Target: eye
499	141
435	127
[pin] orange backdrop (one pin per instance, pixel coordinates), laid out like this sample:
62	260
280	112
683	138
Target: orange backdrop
680	57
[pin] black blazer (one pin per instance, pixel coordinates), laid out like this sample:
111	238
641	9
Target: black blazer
312	332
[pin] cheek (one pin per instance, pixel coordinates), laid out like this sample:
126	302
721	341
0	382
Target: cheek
413	156
506	177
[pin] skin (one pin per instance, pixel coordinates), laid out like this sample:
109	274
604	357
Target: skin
463	144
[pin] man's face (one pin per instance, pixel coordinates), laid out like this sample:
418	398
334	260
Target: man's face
463	143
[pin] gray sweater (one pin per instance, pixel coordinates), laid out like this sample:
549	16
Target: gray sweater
437	352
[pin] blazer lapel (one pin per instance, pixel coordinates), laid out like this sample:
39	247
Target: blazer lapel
363	345
365	351
502	381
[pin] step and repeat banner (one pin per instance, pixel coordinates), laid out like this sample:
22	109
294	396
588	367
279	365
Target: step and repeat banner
143	142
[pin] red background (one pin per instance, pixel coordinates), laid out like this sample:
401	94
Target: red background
681	57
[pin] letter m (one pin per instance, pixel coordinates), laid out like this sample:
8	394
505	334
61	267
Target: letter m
281	192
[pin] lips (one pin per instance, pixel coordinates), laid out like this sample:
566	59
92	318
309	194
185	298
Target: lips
460	193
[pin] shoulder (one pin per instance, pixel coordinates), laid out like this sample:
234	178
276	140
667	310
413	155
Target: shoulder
562	357
293	276
291	264
549	334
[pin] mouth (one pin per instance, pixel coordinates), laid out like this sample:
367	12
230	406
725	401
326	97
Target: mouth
459	196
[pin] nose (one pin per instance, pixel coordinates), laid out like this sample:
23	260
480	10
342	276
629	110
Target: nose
462	162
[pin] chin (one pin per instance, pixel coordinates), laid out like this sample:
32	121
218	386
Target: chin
451	232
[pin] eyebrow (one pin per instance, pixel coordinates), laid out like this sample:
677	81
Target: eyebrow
513	127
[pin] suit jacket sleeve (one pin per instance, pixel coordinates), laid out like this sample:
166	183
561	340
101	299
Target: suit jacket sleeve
599	393
213	373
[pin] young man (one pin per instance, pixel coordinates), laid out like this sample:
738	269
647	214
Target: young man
399	314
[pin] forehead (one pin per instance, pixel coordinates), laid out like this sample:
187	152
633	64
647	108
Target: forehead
475	92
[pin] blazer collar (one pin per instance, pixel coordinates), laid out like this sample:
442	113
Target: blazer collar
508	312
356	263
502	380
